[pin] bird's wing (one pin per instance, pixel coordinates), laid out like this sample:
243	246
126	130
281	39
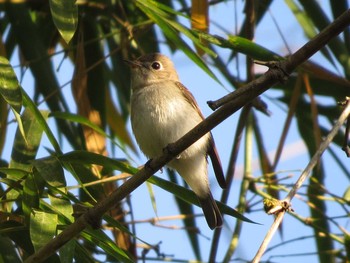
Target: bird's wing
212	152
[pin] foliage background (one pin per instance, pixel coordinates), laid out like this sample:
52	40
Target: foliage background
90	70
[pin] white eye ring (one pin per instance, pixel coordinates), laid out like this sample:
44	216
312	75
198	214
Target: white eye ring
156	65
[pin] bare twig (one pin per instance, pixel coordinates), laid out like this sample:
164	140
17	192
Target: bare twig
323	146
346	147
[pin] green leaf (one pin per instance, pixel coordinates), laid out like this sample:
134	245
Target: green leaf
3	123
8	252
19	234
346	195
188	196
25	150
30	199
9	86
307	25
189	222
42	228
10	90
51	171
63	206
347	245
29	39
65	16
88	158
152	196
320	19
84	121
13	172
40	117
100	239
241	45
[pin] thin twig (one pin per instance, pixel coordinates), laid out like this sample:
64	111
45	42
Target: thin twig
304	175
343	117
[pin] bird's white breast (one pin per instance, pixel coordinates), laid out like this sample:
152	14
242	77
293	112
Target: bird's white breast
160	115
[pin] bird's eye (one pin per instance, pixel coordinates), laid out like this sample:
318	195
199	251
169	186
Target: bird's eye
156	65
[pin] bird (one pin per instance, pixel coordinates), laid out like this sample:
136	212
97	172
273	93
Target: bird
162	110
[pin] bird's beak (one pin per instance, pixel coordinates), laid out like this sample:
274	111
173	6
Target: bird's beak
132	64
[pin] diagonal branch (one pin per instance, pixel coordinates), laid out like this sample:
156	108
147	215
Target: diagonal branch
232	103
304	175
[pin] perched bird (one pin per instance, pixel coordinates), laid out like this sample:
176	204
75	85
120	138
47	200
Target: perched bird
162	111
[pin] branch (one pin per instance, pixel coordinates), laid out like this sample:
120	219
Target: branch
313	162
235	101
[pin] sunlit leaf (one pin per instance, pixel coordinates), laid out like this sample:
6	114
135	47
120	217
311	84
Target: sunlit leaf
200	19
65	16
40	118
42	228
25	150
63	206
9	86
10	91
346	195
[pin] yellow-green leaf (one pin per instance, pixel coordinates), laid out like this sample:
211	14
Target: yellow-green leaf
65	16
9	85
42	228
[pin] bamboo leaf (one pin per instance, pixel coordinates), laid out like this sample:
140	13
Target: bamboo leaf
190	197
321	21
7	251
103	241
27	36
307	25
41	119
10	91
42	228
200	20
189	222
9	86
63	206
83	157
51	171
3	123
25	150
117	124
19	235
241	45
65	16
31	194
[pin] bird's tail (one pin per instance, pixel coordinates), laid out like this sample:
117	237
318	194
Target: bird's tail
211	211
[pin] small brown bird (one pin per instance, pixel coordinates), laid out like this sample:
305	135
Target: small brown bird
162	111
